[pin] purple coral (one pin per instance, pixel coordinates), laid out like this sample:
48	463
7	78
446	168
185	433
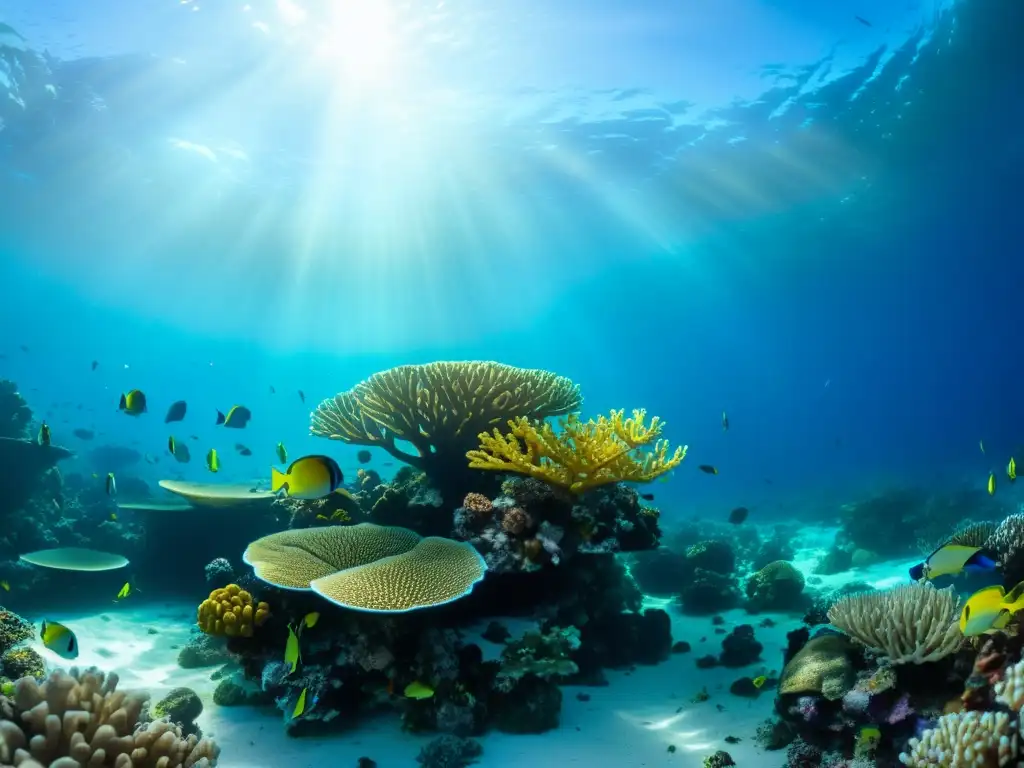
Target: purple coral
900	711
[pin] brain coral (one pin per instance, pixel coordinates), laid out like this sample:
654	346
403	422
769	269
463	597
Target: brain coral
292	559
230	611
434	572
821	666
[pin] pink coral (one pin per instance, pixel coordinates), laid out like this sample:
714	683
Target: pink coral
516	520
478	504
900	711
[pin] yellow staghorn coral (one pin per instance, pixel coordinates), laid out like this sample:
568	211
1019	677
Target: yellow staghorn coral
580	455
439	408
230	611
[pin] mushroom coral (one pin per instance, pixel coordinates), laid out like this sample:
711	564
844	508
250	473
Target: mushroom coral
580	455
440	408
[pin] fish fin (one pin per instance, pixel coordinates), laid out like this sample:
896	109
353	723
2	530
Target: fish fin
123	403
220	418
1014	600
278	479
980	561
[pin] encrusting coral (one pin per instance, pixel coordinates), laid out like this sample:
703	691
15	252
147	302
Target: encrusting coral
913	623
81	719
230	611
821	666
579	455
440	408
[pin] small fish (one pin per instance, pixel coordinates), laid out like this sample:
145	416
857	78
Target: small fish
95	364
282	454
738	515
5	585
1011	469
310	620
126	590
111	484
302	396
178	450
59	639
113	516
272	390
176	412
981	444
311	477
212	462
990	609
237	417
647	496
133	403
759	681
707	469
364	456
991	483
44	434
868	738
863	21
300	705
418	691
83	434
193	437
291	650
725	422
242	450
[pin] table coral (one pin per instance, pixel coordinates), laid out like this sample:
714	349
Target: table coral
440	408
230	611
580	455
82	719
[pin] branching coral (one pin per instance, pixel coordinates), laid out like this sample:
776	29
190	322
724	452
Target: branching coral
80	719
911	623
230	611
580	455
963	740
439	408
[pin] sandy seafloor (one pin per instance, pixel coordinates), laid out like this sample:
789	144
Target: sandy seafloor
630	722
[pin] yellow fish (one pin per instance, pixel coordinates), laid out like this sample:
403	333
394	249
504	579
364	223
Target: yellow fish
759	681
125	591
951	559
212	462
300	705
44	434
291	650
868	737
282	454
133	403
311	477
113	516
59	639
419	691
323	517
5	585
1011	469
111	484
991	483
311	619
989	610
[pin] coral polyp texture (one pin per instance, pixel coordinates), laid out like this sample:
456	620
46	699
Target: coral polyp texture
914	623
81	719
440	408
368	567
434	572
292	559
964	740
580	455
230	611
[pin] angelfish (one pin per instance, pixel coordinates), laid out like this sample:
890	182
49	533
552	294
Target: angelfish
951	559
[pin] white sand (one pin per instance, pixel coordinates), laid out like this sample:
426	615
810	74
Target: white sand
631	722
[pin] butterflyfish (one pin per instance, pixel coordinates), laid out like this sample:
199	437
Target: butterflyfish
951	559
133	403
59	639
311	477
990	609
237	417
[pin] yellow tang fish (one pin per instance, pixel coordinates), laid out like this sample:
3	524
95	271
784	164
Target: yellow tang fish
311	477
125	591
1011	469
759	681
212	462
300	705
291	650
311	619
282	454
991	483
44	434
989	610
419	691
133	403
59	639
111	484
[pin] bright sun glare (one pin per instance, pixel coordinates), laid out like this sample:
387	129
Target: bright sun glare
359	39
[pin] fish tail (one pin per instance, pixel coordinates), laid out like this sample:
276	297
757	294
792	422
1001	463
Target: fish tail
220	417
917	572
278	479
123	403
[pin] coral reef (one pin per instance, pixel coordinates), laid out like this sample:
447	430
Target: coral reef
230	611
83	718
15	415
778	586
579	456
